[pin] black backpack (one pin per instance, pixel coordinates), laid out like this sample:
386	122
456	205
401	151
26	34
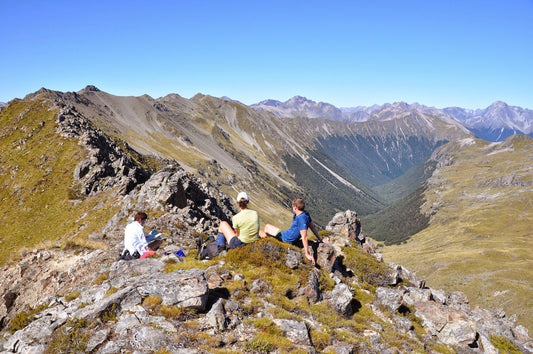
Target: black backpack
125	255
207	249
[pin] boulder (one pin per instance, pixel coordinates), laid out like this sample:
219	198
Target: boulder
295	331
341	299
390	298
312	290
326	256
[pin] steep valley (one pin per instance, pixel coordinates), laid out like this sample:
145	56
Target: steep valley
480	203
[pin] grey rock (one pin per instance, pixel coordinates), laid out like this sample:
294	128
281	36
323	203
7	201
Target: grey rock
260	287
121	272
216	317
97	339
149	339
414	295
458	332
326	256
402	324
294	258
312	290
342	299
390	298
107	304
341	348
186	288
111	347
295	331
439	296
22	341
486	345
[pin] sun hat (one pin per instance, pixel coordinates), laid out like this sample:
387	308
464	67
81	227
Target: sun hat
242	195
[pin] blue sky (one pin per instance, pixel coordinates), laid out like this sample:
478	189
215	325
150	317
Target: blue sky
348	53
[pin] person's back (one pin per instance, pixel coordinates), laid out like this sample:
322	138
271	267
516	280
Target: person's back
247	222
245	227
299	222
297	232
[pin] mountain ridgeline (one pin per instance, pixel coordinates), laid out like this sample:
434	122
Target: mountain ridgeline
411	172
333	164
494	123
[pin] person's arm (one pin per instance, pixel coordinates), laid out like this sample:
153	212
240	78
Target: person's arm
313	228
303	233
140	243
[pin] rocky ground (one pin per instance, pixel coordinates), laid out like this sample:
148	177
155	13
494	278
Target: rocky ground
87	301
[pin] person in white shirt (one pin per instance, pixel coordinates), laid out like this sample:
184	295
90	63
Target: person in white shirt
134	237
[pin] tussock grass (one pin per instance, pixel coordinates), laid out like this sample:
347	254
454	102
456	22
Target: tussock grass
367	268
36	183
23	318
72	337
503	345
479	239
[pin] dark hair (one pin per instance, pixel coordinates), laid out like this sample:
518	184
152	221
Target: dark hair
243	203
140	216
299	203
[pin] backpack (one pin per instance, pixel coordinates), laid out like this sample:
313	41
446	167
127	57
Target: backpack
207	249
126	256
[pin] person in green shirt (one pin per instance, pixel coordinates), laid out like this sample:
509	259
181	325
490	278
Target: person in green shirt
245	227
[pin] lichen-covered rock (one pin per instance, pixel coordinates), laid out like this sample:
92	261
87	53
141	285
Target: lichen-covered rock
295	331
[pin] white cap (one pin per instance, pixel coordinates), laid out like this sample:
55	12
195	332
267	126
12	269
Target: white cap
242	195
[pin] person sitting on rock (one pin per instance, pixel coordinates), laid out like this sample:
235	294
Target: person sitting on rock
245	226
135	243
297	232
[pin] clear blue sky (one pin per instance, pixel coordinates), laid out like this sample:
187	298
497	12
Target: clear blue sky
348	53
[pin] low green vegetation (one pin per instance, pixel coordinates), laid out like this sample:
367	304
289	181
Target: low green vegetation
40	205
503	345
72	296
23	318
72	337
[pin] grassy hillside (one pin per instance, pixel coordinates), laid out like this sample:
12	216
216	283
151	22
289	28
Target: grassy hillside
479	238
36	173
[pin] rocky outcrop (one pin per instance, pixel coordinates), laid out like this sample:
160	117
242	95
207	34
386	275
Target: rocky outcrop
141	305
107	166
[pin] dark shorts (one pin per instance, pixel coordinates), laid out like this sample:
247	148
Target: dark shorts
276	236
235	243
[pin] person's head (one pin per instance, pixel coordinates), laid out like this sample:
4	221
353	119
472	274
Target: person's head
243	200
140	217
299	204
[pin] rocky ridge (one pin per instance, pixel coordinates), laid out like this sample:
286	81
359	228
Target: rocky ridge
111	306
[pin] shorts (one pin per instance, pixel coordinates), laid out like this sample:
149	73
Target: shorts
276	236
235	243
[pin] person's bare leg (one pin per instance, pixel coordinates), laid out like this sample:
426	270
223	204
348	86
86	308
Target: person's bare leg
226	229
271	230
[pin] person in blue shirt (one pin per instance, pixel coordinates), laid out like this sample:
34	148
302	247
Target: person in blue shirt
301	221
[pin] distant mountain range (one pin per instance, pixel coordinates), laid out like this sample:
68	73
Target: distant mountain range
494	123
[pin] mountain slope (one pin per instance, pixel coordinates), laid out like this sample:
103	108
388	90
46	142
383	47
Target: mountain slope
40	201
479	200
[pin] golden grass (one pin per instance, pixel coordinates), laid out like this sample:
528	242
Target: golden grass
36	184
480	240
